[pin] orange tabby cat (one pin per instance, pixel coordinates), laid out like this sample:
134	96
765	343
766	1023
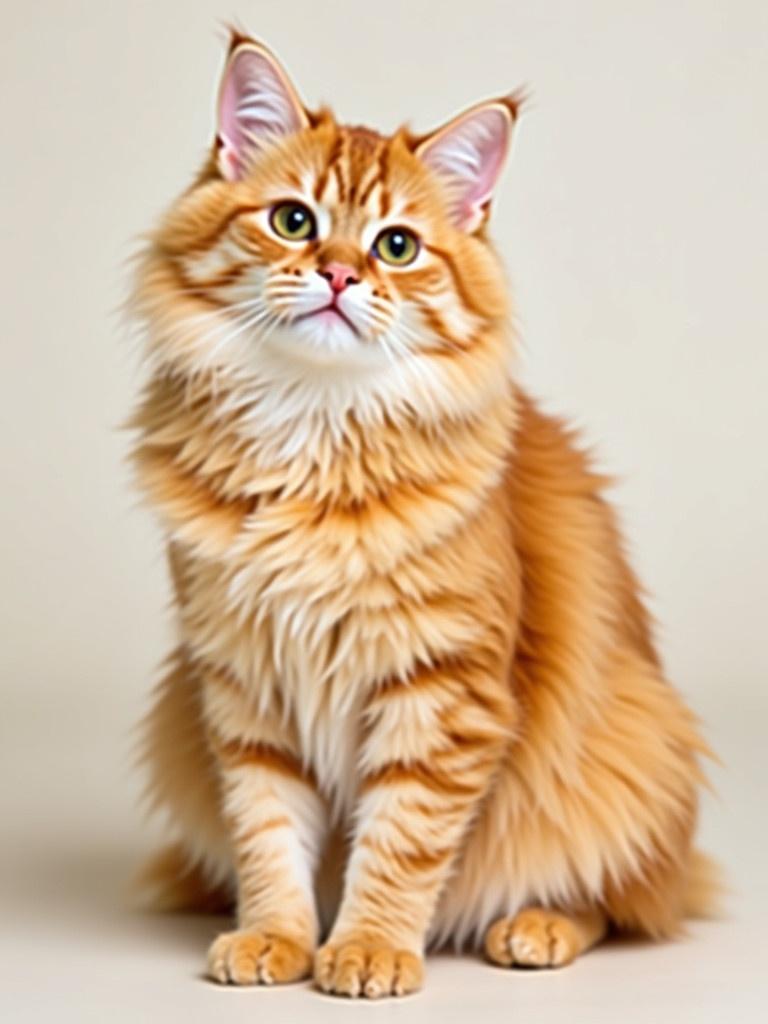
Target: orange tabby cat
415	697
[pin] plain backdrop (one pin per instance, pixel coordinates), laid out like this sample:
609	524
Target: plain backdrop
633	220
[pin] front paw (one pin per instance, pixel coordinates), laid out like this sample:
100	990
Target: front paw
257	958
366	967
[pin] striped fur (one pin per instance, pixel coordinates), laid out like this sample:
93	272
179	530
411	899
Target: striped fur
412	655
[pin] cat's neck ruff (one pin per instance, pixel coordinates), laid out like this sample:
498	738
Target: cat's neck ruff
295	398
289	399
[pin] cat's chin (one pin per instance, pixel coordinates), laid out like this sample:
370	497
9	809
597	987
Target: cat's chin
325	339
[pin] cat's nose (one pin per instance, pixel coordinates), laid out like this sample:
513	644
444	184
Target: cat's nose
339	276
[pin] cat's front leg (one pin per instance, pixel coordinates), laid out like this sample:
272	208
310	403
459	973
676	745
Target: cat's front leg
431	752
277	824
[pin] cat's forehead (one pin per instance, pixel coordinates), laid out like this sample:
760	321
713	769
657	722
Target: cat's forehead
359	174
355	163
361	139
350	176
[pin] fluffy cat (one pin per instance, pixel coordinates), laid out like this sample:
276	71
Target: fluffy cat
415	697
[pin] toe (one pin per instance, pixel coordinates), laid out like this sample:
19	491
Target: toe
498	946
533	938
324	963
284	960
367	969
252	957
349	970
381	974
409	973
563	943
234	957
529	945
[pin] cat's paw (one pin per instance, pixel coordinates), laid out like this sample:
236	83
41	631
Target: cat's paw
257	958
367	968
533	938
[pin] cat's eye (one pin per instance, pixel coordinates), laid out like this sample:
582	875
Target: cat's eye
293	221
396	246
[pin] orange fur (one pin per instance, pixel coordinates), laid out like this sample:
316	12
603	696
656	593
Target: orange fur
404	607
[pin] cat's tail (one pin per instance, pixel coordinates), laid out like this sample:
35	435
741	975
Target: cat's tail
172	881
706	888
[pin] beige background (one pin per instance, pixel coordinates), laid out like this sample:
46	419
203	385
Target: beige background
634	222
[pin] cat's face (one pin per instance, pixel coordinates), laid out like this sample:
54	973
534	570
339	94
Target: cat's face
332	245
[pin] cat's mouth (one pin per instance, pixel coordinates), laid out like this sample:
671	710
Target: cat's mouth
328	314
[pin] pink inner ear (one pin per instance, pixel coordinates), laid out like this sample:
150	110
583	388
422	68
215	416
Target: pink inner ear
492	140
256	105
470	154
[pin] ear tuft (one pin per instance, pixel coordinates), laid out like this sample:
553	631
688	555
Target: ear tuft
469	154
257	105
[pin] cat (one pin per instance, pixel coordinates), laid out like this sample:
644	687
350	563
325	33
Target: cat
415	699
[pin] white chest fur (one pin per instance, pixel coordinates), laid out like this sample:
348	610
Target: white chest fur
308	650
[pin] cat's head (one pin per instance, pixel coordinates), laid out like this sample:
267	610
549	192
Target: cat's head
330	246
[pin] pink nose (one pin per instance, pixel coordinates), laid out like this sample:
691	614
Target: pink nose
339	276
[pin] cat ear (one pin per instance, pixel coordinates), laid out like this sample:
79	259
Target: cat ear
257	105
469	154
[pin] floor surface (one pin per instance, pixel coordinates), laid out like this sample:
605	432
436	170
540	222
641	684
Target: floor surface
73	950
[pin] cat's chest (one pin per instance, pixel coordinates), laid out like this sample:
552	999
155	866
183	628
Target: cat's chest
303	630
312	607
312	595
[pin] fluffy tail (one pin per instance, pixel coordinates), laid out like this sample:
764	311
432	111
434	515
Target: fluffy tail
172	881
706	888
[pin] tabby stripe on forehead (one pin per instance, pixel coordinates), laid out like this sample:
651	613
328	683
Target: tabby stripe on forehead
338	174
322	180
379	177
344	165
386	198
366	191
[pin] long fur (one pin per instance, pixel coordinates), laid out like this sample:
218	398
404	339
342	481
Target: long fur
411	652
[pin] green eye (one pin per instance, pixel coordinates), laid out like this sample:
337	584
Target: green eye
396	246
293	221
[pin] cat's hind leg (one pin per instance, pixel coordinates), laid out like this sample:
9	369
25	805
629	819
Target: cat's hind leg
537	937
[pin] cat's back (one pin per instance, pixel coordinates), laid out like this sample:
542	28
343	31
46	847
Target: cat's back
579	591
